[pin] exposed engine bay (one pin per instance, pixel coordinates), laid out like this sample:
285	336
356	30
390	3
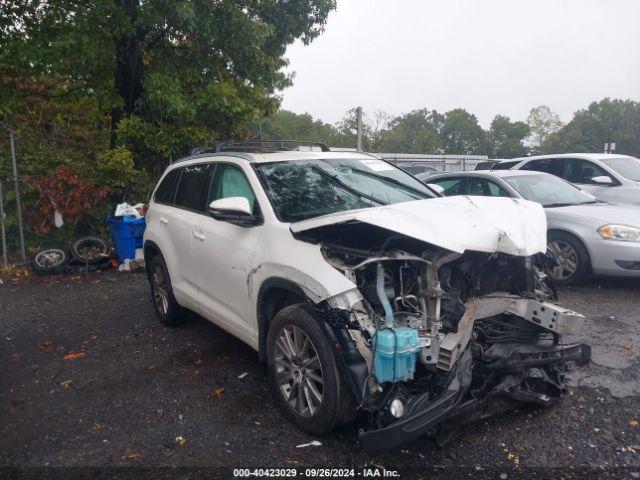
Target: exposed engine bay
433	339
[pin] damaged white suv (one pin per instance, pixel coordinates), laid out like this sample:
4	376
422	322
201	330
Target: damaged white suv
361	288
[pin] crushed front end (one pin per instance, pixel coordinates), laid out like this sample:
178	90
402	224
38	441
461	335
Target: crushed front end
434	339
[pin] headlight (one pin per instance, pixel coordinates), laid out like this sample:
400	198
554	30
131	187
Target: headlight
620	232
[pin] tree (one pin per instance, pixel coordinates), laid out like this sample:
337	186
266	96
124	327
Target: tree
285	125
373	130
601	122
169	73
415	132
114	89
543	122
461	134
506	138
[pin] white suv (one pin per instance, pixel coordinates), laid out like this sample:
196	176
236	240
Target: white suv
361	289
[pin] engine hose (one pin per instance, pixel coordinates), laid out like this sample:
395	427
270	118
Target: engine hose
382	296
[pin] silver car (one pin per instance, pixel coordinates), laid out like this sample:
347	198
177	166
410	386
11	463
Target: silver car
610	177
585	234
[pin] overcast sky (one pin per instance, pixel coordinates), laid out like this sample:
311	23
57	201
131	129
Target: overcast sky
487	56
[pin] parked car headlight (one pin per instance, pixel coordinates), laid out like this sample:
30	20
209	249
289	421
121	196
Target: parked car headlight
620	232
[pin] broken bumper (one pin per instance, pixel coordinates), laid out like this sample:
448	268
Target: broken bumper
455	407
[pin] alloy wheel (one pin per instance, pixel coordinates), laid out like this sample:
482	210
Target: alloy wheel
160	294
298	371
567	259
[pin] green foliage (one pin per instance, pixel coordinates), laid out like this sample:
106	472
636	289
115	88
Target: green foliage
116	89
602	122
543	122
415	132
293	126
462	134
506	138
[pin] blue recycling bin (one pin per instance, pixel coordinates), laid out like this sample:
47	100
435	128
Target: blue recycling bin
127	235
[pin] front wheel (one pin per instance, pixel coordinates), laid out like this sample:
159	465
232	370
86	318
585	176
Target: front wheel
572	258
303	372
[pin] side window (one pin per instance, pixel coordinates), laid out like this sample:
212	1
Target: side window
192	188
452	186
547	165
230	181
501	165
485	188
581	171
167	188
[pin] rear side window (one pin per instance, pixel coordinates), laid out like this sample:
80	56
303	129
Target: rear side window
485	188
166	189
546	165
193	187
451	186
504	165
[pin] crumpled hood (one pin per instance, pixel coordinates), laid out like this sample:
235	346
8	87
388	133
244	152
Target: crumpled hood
485	224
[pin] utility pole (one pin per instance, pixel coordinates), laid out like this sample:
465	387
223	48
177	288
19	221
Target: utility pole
4	237
18	204
16	185
359	141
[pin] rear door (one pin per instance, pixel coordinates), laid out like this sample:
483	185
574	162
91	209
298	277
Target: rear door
484	187
189	211
224	253
452	186
546	165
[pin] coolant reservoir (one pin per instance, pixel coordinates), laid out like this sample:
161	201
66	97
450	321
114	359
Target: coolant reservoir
396	352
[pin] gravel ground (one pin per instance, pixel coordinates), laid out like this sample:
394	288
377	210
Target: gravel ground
89	378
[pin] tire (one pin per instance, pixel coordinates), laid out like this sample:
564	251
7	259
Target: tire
303	373
164	302
91	250
574	264
49	261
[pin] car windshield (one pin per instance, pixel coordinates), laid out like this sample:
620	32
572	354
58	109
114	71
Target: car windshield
628	167
548	190
310	188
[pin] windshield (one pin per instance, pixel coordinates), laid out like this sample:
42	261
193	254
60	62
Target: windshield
548	190
628	167
310	188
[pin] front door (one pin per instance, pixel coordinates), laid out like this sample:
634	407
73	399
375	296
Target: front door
224	253
580	172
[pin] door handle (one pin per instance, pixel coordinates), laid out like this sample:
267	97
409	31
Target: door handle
164	221
198	236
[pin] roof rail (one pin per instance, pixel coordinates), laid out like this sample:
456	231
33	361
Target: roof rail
262	146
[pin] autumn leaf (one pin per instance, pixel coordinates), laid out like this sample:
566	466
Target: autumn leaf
633	423
218	392
73	355
131	456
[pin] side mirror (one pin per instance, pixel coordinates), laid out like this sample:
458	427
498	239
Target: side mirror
602	180
436	188
236	210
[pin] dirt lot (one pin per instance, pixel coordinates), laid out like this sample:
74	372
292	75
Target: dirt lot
88	377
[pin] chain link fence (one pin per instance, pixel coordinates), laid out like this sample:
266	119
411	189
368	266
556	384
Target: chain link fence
419	163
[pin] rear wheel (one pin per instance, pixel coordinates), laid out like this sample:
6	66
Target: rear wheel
573	263
303	372
164	303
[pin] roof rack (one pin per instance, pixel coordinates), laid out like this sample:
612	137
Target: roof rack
263	146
